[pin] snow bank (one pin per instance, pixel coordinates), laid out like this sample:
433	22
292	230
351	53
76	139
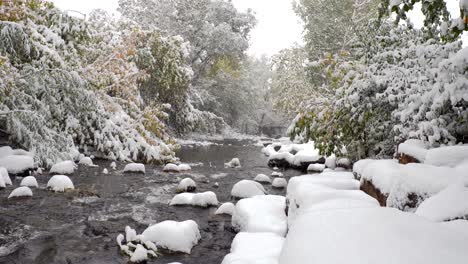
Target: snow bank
261	248
262	178
87	161
60	183
415	148
279	183
356	236
64	167
16	164
172	235
196	199
247	188
450	203
316	167
135	167
234	163
226	208
29	181
186	185
447	156
459	226
22	191
5	176
263	213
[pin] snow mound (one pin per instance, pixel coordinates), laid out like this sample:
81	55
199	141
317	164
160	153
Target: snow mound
343	162
60	183
447	156
330	162
247	188
135	167
2	183
172	235
64	167
16	164
184	167
415	148
196	199
29	181
338	236
262	178
5	151
261	248
186	185
5	176
264	213
234	163
170	167
459	226
450	203
87	161
22	191
316	167
279	183
226	208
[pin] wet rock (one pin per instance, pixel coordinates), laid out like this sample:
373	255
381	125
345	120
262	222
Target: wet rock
406	159
370	189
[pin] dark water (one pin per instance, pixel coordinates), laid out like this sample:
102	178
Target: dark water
81	226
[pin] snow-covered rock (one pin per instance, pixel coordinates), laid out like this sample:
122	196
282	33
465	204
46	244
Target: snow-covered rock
279	183
64	167
17	164
105	171
226	208
22	191
5	176
135	167
204	199
261	248
414	148
247	188
113	165
172	235
234	163
186	185
60	183
330	162
29	181
264	213
130	234
2	183
139	255
5	151
87	161
447	156
184	167
450	203
338	236
316	167
171	167
262	178
276	174
343	163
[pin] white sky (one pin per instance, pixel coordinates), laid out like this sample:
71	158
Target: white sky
277	28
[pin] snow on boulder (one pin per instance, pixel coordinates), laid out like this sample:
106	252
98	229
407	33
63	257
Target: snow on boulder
262	178
265	213
172	235
316	167
412	150
87	161
330	162
139	255
5	176
247	188
262	248
279	183
450	203
226	208
64	167
2	183
360	165
276	174
196	199
343	163
22	191
113	165
105	171
447	156
184	167
29	181
234	163
186	185
60	183
5	151
135	167
338	236
171	167
16	164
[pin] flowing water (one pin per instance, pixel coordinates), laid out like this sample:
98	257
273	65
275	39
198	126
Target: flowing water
81	226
